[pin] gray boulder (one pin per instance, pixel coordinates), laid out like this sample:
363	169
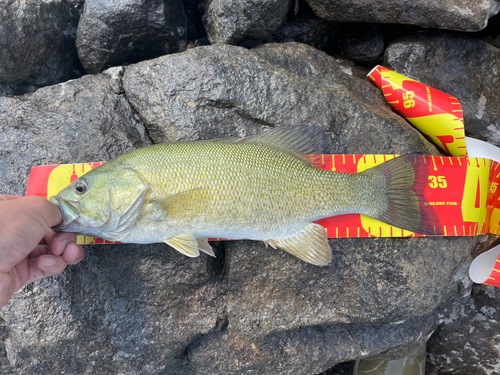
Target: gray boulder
124	309
305	28
462	15
458	65
308	350
363	45
37	43
208	89
235	20
83	120
149	310
468	341
385	279
128	31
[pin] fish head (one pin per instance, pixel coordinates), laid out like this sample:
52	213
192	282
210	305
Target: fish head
102	203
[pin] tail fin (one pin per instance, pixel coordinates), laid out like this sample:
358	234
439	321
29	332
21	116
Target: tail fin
406	178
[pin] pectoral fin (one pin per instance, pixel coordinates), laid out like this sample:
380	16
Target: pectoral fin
204	246
180	204
309	244
185	244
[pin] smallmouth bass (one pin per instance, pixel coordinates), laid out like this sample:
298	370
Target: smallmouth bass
258	188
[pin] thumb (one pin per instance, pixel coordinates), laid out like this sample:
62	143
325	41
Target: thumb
41	207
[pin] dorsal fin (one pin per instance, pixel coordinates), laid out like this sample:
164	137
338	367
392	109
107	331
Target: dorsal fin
301	140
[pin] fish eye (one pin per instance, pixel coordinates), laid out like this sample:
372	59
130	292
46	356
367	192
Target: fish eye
81	187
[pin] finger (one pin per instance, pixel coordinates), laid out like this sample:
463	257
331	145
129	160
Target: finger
41	249
48	211
49	236
45	266
73	253
59	242
6	288
4	197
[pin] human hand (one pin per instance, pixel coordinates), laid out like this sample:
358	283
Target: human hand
29	249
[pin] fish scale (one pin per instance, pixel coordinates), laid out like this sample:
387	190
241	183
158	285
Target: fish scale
259	188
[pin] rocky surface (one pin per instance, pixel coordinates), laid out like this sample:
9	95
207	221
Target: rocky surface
37	42
236	20
461	15
307	350
253	310
468	341
305	28
461	66
363	45
128	31
125	309
208	89
88	119
385	278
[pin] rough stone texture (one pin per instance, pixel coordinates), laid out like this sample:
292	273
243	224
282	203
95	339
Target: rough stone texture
37	41
206	90
363	45
468	342
304	351
461	66
389	280
124	309
5	367
461	15
149	310
232	21
127	31
84	120
304	27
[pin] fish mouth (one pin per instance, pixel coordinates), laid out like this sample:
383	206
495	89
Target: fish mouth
69	214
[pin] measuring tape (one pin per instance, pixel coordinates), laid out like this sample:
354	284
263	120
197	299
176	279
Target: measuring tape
436	114
464	191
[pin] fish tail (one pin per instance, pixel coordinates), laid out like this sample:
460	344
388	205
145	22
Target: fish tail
404	205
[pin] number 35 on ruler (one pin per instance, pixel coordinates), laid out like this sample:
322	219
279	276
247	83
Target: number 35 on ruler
437	182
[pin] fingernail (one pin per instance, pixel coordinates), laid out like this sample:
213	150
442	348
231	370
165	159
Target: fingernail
49	262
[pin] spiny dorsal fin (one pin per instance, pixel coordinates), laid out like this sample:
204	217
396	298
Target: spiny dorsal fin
185	244
309	244
302	140
204	246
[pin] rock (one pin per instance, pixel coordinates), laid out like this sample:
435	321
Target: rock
449	14
37	42
307	350
5	367
268	291
222	88
125	308
195	28
234	21
128	31
466	68
468	341
148	309
13	89
363	45
305	27
83	120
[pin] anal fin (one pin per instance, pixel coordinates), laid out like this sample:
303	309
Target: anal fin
204	246
309	244
185	244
